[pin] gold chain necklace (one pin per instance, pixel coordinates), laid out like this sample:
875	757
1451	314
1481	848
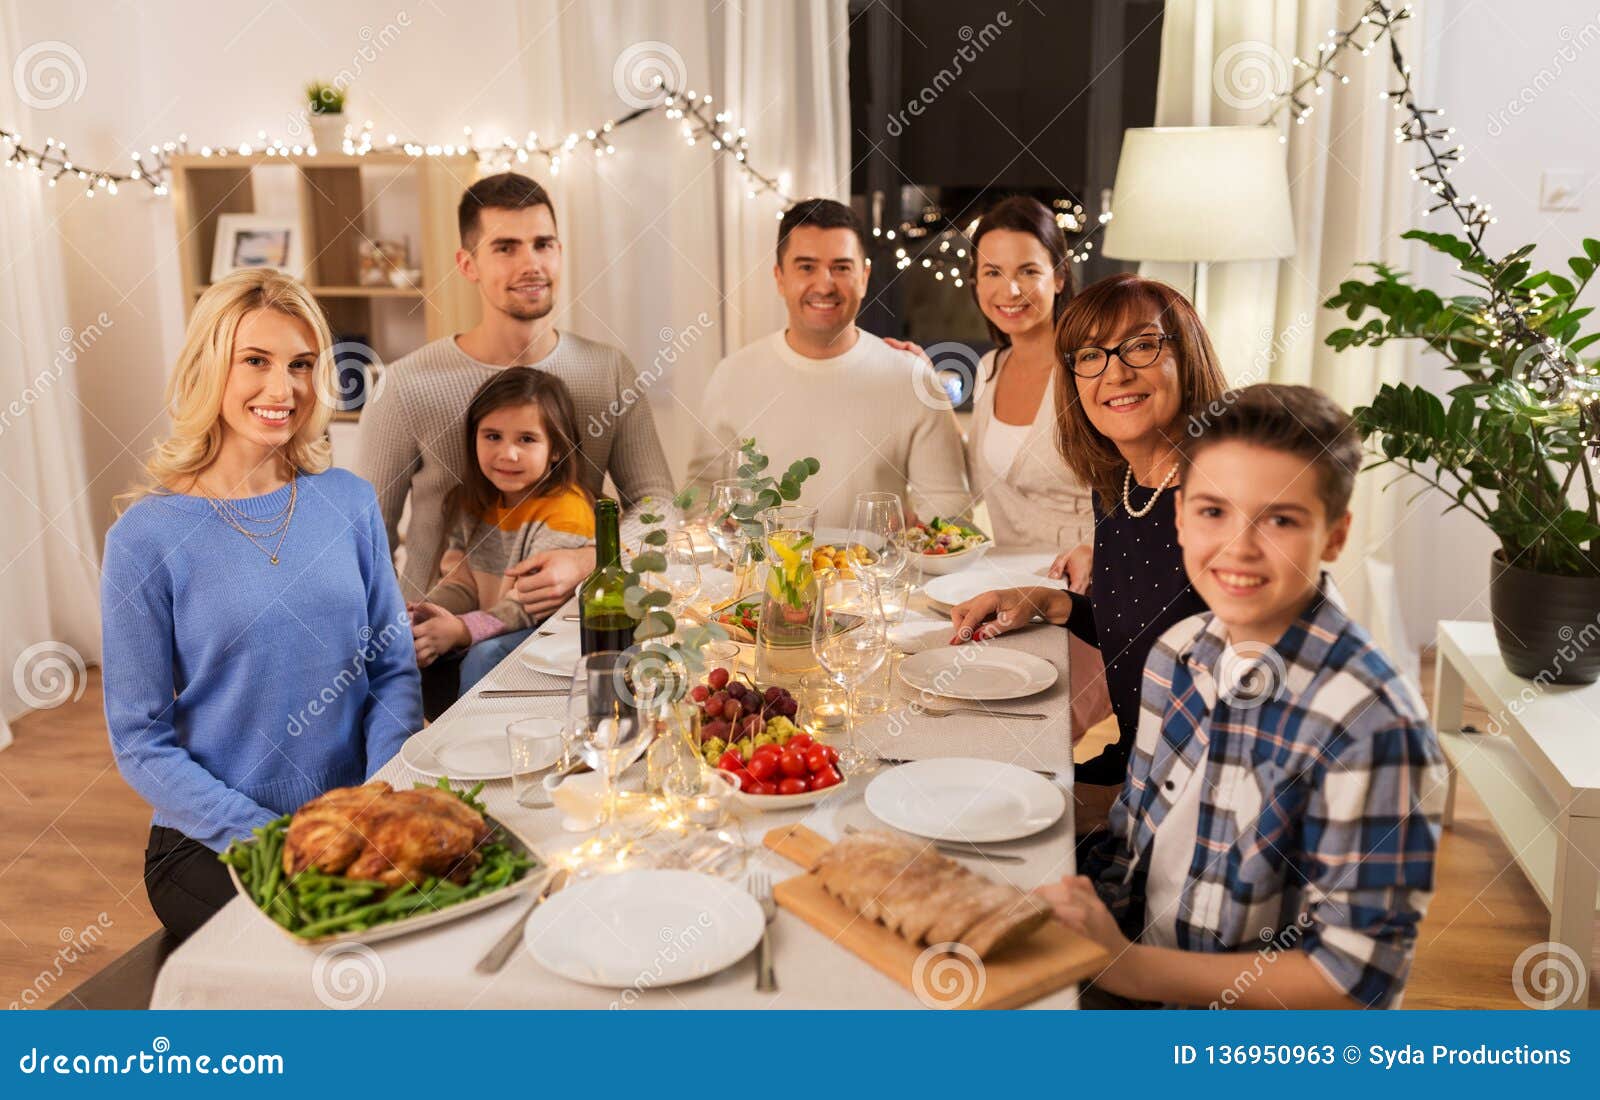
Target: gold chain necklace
224	508
1127	483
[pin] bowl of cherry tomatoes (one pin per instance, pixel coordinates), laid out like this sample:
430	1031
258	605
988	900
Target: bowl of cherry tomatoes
776	777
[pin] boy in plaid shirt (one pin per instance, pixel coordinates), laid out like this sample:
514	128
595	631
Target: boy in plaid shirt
1273	845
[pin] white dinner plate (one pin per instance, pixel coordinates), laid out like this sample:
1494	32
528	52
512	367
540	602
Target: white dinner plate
556	655
470	747
647	928
955	798
984	672
954	588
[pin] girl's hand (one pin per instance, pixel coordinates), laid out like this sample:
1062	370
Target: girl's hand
435	632
1078	907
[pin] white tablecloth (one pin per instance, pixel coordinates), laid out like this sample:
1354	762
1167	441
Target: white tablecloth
239	960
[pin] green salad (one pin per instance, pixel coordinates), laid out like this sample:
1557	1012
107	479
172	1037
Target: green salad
943	536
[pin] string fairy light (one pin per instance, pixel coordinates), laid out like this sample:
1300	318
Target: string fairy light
701	122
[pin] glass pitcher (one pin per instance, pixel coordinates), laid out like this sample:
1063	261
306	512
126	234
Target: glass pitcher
783	634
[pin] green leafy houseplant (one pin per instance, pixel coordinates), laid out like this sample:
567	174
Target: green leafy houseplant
325	99
1510	443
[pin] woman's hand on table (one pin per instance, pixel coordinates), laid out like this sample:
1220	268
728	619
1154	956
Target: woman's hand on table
995	612
1075	565
435	632
546	580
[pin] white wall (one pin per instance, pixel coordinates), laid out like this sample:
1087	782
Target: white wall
1519	83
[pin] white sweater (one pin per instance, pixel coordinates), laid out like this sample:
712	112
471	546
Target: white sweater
874	417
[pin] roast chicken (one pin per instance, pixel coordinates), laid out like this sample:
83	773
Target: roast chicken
924	896
376	832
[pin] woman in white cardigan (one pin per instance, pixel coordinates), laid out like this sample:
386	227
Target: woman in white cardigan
1022	280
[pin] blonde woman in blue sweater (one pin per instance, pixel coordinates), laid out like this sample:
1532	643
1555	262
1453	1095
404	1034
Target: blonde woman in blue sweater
257	648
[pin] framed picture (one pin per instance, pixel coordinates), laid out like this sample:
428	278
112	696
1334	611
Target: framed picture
257	240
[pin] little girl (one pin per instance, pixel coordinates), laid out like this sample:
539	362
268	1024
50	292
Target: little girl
520	496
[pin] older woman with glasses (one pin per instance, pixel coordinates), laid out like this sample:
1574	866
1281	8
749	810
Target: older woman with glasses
1138	368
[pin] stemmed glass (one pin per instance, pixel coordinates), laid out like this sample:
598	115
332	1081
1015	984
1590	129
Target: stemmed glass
879	524
609	732
850	641
681	578
727	531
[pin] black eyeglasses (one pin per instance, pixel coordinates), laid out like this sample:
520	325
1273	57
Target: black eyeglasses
1092	360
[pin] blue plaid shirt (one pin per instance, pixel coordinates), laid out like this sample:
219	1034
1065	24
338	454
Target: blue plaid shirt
1319	814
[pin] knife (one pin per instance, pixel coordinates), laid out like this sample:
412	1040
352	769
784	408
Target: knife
957	849
521	693
895	762
495	960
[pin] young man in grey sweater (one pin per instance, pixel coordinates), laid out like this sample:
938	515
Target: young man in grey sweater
413	437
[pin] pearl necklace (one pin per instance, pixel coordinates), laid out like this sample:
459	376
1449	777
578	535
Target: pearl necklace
1127	483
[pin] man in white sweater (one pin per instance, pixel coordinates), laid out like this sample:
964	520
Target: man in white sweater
876	418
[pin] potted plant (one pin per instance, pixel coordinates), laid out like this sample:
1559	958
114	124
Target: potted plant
325	102
1512	444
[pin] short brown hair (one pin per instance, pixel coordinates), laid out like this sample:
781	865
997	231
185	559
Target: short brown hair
1295	420
819	214
1104	307
505	191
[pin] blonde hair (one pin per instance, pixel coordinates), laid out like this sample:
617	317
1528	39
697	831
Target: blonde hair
194	392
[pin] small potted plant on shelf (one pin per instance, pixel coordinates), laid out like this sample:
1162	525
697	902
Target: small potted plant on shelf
1514	443
325	102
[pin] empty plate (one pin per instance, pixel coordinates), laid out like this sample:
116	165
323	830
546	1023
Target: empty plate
647	928
983	672
470	747
954	588
957	798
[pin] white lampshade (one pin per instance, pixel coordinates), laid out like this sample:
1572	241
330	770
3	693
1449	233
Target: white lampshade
1201	194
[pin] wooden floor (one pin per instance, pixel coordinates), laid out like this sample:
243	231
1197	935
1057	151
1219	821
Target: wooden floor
72	848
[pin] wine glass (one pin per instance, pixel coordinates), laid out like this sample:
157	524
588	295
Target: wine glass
850	641
608	730
729	496
682	575
879	524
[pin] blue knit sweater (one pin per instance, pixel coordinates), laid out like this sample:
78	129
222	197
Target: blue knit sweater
236	690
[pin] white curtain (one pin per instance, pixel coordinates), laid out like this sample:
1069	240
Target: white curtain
1352	196
49	573
665	256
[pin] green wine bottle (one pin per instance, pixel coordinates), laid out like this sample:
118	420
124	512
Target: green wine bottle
603	619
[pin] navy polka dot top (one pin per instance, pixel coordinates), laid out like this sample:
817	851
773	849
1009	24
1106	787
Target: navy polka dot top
1138	591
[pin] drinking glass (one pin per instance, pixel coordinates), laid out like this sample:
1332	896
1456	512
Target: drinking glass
879	524
681	578
850	641
608	731
535	745
725	524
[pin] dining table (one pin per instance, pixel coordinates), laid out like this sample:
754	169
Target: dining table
239	959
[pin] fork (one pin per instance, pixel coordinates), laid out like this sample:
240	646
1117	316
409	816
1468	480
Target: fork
761	890
945	712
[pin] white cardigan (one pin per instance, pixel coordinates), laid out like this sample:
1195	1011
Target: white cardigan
1037	503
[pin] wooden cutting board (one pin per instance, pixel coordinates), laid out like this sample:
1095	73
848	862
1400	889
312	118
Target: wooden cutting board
1049	960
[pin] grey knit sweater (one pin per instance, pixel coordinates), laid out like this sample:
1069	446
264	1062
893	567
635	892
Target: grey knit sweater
413	437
